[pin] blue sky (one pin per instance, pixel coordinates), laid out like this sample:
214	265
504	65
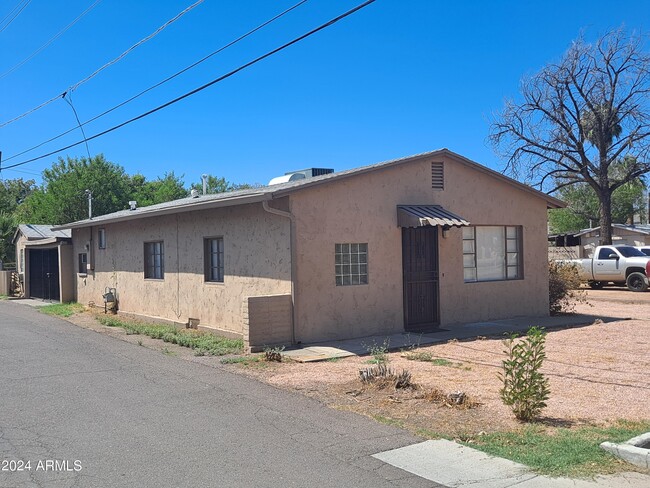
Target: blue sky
397	78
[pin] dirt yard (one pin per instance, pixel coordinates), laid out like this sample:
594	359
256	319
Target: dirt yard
597	373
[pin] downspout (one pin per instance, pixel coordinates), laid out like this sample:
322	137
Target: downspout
292	249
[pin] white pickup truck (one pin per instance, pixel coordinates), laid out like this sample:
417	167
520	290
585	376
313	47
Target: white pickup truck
615	264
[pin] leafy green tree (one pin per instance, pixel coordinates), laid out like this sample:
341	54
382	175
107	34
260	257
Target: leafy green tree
61	198
220	185
13	193
583	207
580	116
169	187
8	224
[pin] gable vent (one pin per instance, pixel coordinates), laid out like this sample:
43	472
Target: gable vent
437	176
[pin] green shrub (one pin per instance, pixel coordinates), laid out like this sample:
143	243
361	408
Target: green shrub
563	288
525	389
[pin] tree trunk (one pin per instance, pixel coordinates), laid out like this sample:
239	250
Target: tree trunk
606	217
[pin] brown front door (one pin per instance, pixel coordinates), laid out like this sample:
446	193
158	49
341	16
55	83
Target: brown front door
420	264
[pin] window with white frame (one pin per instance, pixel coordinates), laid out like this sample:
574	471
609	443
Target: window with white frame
351	264
101	238
213	259
154	260
492	253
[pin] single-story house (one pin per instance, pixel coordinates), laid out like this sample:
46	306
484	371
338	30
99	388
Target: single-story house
630	234
44	262
409	245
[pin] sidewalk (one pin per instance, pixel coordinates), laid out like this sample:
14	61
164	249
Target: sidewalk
356	347
457	466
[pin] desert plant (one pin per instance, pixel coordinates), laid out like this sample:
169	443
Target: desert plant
383	375
563	288
525	388
273	354
379	352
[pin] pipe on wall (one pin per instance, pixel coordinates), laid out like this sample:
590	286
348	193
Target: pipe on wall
292	223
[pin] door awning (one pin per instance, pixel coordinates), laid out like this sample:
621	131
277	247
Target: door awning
421	215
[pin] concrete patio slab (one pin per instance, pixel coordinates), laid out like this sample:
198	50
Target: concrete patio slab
332	349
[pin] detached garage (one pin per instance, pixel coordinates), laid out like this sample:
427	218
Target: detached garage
44	262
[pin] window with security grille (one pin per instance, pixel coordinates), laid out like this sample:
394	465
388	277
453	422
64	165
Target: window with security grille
213	259
154	260
351	264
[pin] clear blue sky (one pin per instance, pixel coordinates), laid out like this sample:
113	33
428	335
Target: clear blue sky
397	78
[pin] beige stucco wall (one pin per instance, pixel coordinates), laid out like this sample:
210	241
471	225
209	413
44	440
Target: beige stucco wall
256	262
590	241
66	273
362	208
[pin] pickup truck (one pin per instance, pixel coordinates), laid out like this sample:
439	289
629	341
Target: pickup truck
614	264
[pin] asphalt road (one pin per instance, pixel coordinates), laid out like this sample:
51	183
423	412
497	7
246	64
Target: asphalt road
87	410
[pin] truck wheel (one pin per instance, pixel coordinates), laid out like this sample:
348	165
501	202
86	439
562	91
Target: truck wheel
596	285
636	282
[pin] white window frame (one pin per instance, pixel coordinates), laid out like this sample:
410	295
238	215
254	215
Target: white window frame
351	264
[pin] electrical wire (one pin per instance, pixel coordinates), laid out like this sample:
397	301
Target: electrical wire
8	22
68	98
110	63
52	39
202	87
169	78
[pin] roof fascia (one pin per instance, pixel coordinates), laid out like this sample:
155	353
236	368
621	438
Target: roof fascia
188	207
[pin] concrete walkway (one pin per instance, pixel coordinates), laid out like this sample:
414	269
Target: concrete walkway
454	465
357	347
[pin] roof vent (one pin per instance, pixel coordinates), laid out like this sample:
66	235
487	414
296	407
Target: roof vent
133	204
194	193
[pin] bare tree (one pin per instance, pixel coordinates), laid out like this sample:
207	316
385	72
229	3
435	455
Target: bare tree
580	116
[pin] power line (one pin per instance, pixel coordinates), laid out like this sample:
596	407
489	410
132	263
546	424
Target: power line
68	99
110	63
203	87
169	78
52	39
20	7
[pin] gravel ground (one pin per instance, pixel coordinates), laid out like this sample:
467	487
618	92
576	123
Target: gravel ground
598	374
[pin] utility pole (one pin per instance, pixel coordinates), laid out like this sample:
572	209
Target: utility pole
90	203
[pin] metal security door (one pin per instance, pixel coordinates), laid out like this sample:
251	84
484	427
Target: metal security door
420	264
44	274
